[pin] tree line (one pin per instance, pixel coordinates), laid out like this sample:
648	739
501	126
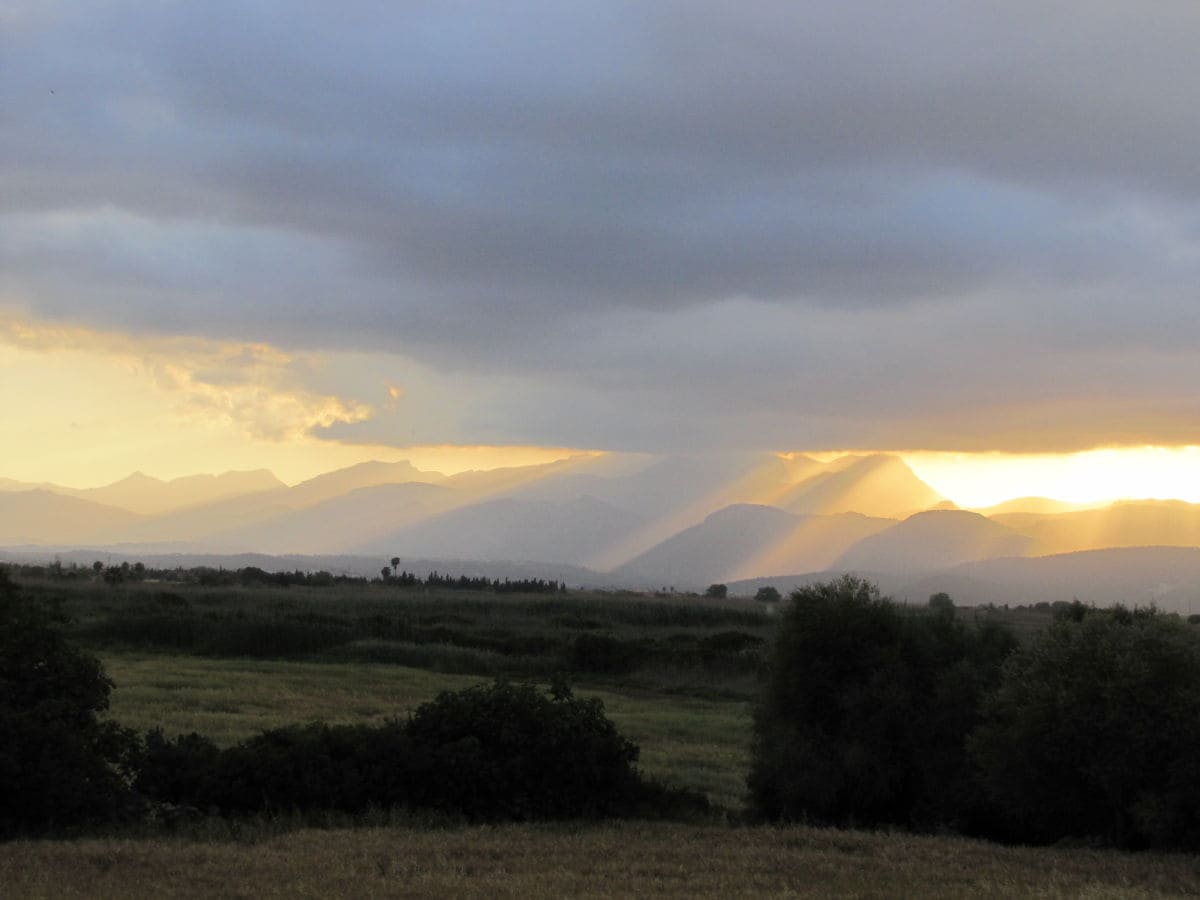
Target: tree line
437	579
876	715
251	576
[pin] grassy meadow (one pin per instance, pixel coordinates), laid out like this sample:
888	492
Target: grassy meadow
685	741
677	675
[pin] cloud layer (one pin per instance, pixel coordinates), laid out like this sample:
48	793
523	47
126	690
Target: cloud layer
635	226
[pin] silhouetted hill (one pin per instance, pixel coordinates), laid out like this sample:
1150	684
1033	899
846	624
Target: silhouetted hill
1036	505
746	539
711	551
510	529
678	492
44	517
933	540
197	523
1167	577
340	524
352	478
877	485
669	484
140	493
1133	523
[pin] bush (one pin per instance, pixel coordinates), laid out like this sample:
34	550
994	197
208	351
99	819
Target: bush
505	751
297	769
491	752
60	766
1095	731
768	594
866	710
182	771
348	768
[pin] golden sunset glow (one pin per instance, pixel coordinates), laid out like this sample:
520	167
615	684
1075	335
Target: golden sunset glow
94	406
1093	476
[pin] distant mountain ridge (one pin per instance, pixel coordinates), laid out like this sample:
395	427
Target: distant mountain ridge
145	495
642	521
744	536
26	517
876	485
934	540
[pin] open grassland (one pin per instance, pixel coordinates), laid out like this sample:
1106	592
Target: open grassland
601	861
677	673
676	677
685	741
685	645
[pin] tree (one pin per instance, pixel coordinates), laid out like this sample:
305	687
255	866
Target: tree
395	564
1095	730
866	709
718	591
509	751
59	764
941	602
768	594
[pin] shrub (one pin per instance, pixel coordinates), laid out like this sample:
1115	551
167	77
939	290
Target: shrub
490	752
1095	731
866	709
768	594
505	751
59	764
301	768
180	771
348	768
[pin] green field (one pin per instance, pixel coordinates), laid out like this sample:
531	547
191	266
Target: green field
685	741
677	676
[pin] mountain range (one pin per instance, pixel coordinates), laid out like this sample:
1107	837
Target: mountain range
626	521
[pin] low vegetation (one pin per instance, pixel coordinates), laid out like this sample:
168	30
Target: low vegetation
875	715
491	752
686	645
278	707
531	861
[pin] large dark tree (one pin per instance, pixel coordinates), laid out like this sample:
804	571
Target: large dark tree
866	710
59	764
1095	731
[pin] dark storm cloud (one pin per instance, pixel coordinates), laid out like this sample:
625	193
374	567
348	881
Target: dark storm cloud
784	221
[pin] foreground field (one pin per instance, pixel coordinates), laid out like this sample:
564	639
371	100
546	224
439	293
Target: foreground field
616	860
685	741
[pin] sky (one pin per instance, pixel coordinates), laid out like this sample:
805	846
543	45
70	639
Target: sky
298	235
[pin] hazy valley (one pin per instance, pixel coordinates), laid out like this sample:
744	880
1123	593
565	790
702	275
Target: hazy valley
641	522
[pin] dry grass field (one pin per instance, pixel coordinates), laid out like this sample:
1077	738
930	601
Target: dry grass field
618	860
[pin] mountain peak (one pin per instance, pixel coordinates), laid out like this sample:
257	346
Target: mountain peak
876	484
137	479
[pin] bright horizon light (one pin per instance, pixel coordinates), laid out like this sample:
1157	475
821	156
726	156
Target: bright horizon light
976	480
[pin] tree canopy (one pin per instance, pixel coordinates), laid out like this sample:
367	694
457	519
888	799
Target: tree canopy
59	764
